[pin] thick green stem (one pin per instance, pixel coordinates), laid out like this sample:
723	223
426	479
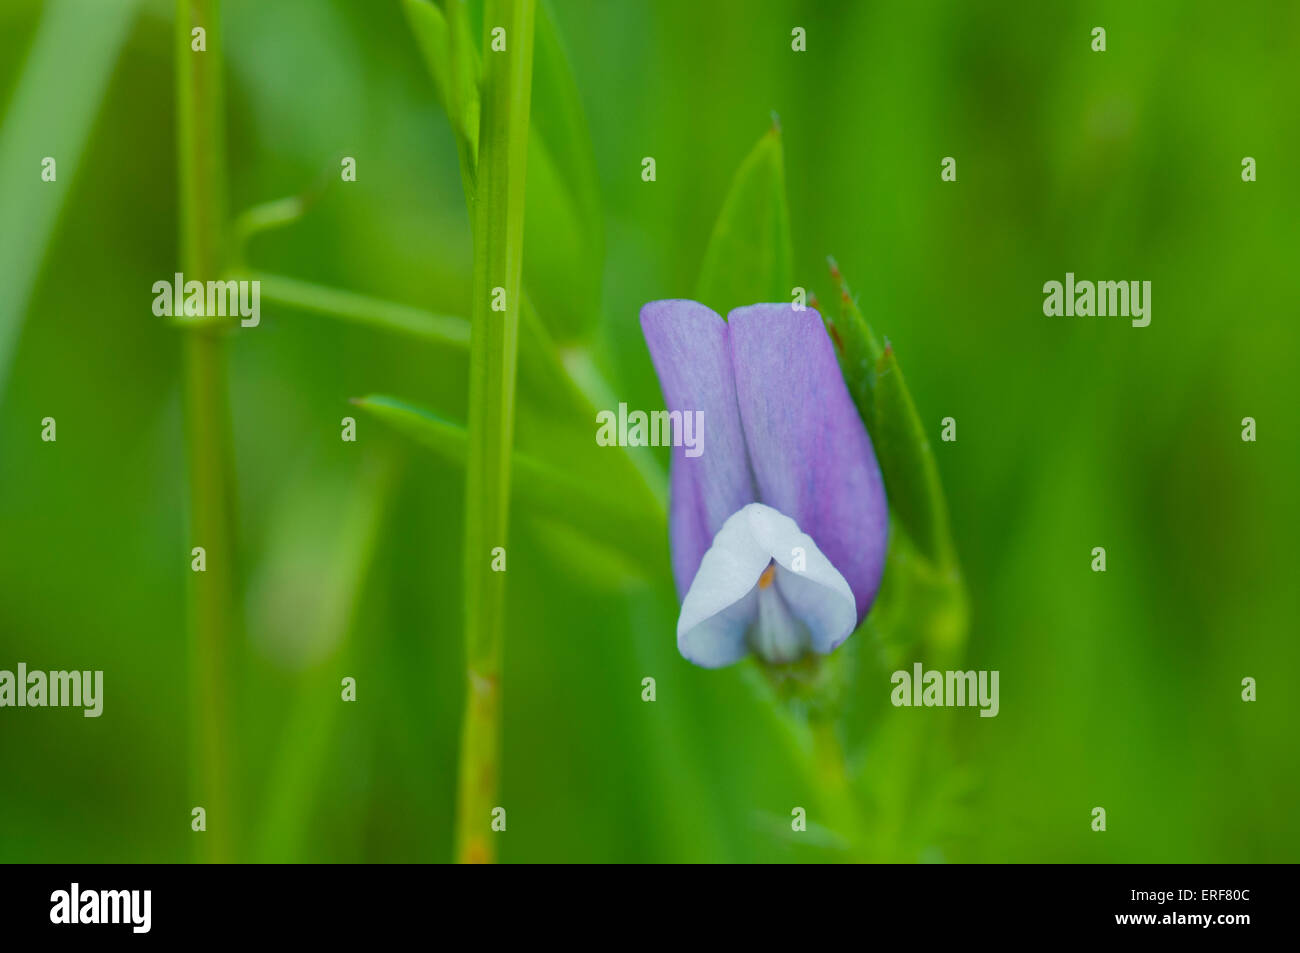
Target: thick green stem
213	617
498	216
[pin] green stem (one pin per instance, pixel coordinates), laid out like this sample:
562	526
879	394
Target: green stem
212	612
494	341
361	309
572	374
830	771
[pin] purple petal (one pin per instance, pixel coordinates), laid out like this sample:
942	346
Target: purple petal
689	347
809	451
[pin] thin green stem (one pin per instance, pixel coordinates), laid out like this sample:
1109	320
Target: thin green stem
361	309
494	341
572	374
811	735
213	616
830	770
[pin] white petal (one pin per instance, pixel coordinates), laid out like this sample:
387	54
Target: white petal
722	605
777	635
821	599
722	638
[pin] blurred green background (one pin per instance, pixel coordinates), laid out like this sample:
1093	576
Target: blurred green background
1119	690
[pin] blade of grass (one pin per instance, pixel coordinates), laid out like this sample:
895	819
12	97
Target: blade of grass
433	37
544	490
213	615
452	58
90	34
494	340
565	242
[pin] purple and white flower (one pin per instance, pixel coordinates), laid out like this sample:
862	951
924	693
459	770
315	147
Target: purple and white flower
779	528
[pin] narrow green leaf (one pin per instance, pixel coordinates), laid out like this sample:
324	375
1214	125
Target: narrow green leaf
855	346
432	35
555	412
564	242
89	34
875	382
749	257
466	76
540	489
922	596
451	55
356	308
907	463
541	374
565	236
560	121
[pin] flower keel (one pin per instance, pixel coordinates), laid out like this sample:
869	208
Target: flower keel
763	586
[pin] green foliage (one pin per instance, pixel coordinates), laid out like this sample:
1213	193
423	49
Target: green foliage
362	310
922	599
539	489
748	259
856	347
1074	433
497	300
89	34
564	230
452	58
564	241
907	461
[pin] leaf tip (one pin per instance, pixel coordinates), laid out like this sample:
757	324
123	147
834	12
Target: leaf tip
887	359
